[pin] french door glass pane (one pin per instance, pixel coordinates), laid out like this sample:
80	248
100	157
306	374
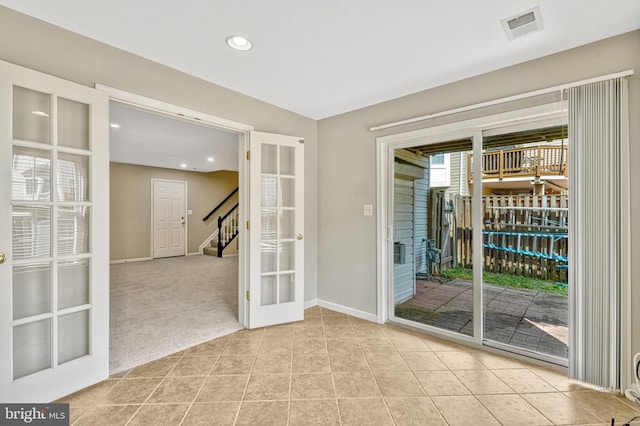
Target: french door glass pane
287	160
286	288
31	231
31	174
269	155
31	348
73	283
268	290
72	177
31	115
268	256
287	187
31	290
287	224
73	230
432	212
73	124
73	336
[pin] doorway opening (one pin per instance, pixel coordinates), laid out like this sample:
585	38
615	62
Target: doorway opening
167	175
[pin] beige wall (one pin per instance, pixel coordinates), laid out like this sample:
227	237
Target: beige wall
347	168
34	44
130	211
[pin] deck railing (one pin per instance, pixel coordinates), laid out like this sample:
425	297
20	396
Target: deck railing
535	161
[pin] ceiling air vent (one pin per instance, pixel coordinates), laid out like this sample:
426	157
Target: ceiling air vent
522	23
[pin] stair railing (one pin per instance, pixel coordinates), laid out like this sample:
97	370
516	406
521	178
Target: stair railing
228	197
227	228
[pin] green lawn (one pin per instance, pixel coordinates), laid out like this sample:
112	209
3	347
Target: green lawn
507	280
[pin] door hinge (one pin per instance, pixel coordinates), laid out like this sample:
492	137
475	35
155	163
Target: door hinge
248	295
301	140
248	226
248	155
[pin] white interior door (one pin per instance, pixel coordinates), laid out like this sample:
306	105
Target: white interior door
169	218
54	227
276	281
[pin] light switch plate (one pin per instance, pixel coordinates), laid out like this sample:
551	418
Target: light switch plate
189	212
367	209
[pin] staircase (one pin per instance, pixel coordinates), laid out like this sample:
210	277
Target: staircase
226	232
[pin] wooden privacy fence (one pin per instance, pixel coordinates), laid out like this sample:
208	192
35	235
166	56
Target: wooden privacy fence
522	234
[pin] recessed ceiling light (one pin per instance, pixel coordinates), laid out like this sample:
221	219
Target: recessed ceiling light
40	113
183	165
210	159
238	43
115	125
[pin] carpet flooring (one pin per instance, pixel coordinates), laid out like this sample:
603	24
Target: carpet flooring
163	306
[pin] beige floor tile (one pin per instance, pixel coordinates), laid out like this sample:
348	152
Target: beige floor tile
228	365
314	412
343	346
494	361
311	363
513	410
213	347
460	361
441	383
368	331
120	375
174	390
336	320
241	347
161	414
91	395
398	384
329	312
309	345
254	334
386	361
360	322
312	386
276	346
355	385
309	331
339	331
558	379
560	409
376	344
131	391
368	411
348	362
268	387
409	343
481	382
223	388
158	368
194	366
414	412
523	381
441	345
278	333
212	413
272	364
463	411
263	413
107	415
423	361
315	320
76	412
604	405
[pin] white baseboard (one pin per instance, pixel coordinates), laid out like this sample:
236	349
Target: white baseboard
347	310
137	259
310	303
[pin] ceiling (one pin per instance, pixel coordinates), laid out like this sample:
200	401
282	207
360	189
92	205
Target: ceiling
322	58
156	140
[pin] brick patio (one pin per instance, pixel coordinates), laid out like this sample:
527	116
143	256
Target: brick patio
524	318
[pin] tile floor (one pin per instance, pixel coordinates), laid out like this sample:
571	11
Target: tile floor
333	369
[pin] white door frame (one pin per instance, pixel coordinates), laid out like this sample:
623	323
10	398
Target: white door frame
184	213
242	130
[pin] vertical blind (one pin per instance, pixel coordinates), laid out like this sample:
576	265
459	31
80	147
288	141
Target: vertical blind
595	257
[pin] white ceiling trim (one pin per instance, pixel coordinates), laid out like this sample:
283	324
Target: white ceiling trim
182	113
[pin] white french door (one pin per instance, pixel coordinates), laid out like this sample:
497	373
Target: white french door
54	276
276	229
169	218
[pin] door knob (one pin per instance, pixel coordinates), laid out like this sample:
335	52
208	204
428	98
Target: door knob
2	258
299	236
